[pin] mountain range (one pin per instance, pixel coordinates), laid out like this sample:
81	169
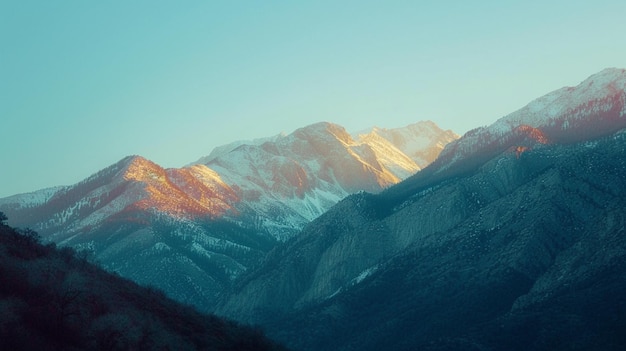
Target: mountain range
192	231
511	237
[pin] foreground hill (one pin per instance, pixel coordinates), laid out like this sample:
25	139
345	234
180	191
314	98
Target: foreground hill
52	300
515	241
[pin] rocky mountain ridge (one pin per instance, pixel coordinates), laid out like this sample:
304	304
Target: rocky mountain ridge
303	174
502	227
526	253
594	108
193	230
286	180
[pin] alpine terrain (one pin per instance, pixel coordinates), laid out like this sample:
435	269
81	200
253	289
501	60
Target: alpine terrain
192	231
513	239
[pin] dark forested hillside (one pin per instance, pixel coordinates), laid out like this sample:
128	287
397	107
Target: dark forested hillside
51	299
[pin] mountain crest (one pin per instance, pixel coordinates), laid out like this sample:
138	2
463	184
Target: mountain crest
141	169
323	129
594	108
422	142
192	230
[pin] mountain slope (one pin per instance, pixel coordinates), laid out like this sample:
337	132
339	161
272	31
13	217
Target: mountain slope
158	227
303	174
51	299
192	231
422	141
132	184
514	241
594	108
521	236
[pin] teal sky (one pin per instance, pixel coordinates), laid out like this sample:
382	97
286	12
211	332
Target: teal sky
85	83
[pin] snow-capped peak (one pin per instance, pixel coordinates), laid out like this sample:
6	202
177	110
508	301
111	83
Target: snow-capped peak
595	107
302	174
277	184
421	141
224	149
597	93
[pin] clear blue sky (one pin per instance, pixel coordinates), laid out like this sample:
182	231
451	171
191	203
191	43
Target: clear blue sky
85	83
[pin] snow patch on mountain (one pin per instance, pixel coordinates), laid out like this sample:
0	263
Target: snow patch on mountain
225	149
161	247
421	142
116	205
32	199
562	102
291	179
276	184
366	273
588	110
195	247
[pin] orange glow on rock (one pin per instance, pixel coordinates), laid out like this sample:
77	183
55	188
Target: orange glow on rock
534	133
190	192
